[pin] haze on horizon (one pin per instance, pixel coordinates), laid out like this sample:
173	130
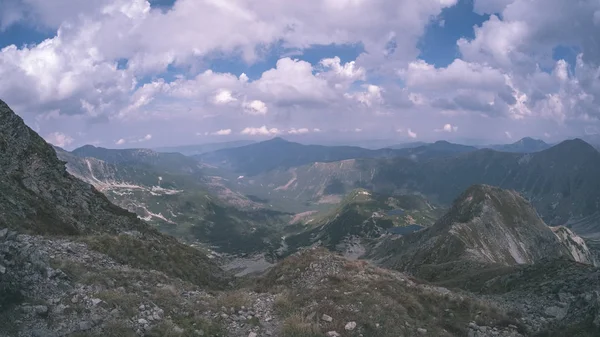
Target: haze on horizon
136	73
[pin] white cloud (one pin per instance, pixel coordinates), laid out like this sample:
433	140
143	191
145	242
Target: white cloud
145	138
223	97
358	130
292	82
92	73
300	131
223	132
59	139
345	71
411	134
120	141
448	128
256	107
508	134
369	97
261	131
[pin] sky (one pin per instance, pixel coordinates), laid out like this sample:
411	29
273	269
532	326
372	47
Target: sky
137	73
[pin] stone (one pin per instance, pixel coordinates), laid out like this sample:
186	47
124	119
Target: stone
350	326
224	316
555	312
96	301
252	334
3	232
75	299
2	269
422	331
142	321
85	325
473	325
142	307
333	334
96	318
41	310
156	316
326	318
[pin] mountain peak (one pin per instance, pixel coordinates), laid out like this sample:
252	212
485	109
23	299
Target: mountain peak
486	225
572	147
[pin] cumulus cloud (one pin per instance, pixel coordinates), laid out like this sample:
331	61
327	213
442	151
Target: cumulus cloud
347	71
223	132
59	139
447	128
120	141
256	107
411	134
223	97
261	131
111	64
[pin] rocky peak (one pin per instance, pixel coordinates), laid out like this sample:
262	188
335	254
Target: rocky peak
490	226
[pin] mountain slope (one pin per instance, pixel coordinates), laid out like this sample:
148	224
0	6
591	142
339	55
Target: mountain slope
485	226
175	163
525	145
37	195
40	197
561	182
62	241
178	203
363	216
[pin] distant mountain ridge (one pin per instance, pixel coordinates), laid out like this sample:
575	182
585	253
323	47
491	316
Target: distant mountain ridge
279	153
170	162
190	150
524	145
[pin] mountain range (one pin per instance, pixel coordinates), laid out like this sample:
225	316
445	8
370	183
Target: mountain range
278	153
440	253
560	181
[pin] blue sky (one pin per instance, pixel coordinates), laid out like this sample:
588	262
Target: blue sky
408	70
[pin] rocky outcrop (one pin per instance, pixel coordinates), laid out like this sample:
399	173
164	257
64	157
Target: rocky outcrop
487	226
579	250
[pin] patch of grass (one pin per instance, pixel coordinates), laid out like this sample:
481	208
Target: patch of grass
297	326
284	306
162	254
234	299
126	302
191	327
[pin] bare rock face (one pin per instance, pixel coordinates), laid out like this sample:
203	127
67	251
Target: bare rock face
38	196
488	226
576	246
